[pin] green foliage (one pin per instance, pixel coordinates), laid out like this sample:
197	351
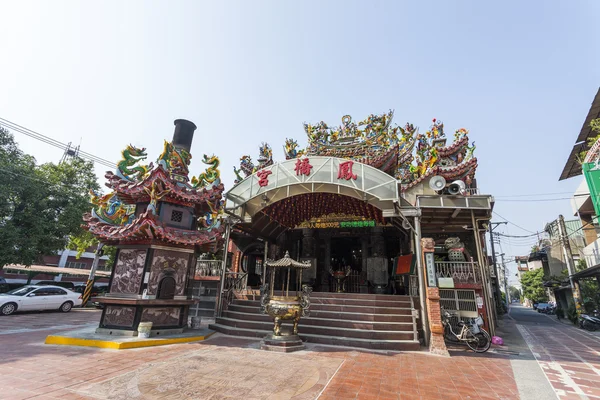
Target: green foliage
580	266
533	287
84	240
514	292
41	205
572	314
595	125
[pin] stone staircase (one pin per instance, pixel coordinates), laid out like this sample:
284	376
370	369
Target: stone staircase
368	321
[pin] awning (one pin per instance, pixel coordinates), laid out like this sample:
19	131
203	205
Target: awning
572	166
55	270
591	272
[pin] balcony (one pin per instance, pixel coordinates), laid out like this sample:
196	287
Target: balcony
460	272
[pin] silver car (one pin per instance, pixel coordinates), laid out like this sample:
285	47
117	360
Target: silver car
34	298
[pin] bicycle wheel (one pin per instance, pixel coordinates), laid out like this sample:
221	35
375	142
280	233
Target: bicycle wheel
480	342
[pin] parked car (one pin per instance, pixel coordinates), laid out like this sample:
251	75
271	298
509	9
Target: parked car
36	297
3	285
540	307
66	285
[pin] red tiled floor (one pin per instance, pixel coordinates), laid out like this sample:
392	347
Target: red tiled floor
34	369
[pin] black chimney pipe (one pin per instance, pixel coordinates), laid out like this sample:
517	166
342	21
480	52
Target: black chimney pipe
184	134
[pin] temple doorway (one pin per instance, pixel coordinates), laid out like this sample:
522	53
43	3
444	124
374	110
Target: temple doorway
346	252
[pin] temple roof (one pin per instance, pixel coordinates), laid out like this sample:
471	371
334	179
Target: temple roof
146	228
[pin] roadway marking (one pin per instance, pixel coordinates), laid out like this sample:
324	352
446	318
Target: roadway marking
552	365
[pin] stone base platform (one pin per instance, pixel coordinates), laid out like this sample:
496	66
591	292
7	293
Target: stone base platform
282	344
88	337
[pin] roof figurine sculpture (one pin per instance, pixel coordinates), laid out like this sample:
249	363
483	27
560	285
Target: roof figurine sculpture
130	213
401	152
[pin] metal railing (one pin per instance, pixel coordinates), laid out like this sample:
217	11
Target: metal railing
234	282
208	268
462	272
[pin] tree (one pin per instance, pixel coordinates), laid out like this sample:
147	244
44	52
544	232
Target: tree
84	240
532	283
514	292
41	206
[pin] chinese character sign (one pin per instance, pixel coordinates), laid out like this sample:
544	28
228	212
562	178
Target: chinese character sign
345	171
263	177
303	167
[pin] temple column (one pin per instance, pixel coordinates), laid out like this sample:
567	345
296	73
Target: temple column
308	254
377	263
437	345
364	251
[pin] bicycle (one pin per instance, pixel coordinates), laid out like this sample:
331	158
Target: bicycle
472	334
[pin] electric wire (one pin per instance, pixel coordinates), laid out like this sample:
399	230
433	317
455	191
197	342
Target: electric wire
512	223
11	126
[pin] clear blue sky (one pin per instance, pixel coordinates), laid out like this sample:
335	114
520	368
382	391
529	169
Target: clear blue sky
519	75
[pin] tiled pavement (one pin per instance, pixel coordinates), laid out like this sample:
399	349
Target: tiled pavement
225	367
569	357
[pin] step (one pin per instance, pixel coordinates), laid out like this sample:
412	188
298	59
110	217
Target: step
351	321
323	330
333	308
396	345
359	296
404	303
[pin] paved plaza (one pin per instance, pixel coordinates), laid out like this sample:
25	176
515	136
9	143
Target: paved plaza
224	367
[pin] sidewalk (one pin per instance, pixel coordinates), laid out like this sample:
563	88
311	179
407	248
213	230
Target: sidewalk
529	376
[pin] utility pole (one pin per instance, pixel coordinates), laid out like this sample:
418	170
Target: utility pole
90	282
566	248
497	283
505	279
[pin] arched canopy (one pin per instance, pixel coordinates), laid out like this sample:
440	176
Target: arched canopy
326	175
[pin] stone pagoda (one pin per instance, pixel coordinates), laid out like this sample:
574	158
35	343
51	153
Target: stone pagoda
159	220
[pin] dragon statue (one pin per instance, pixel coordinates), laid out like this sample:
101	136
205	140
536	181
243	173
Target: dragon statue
211	219
127	168
108	208
175	161
212	175
156	192
246	166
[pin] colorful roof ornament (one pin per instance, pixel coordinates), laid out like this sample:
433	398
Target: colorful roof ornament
401	152
247	167
159	203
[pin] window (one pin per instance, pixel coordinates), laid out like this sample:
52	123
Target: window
42	292
55	292
459	300
176	216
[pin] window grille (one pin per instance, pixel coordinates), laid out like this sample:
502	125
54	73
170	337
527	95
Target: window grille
176	216
459	300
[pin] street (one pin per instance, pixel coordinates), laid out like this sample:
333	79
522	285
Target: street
568	356
227	367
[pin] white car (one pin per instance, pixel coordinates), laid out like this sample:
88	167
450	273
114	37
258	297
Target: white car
36	297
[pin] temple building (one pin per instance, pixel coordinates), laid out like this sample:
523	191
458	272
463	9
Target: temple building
390	219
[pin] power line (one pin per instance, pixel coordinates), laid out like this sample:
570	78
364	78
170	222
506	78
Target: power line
48	140
512	223
532	195
535	200
516	236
